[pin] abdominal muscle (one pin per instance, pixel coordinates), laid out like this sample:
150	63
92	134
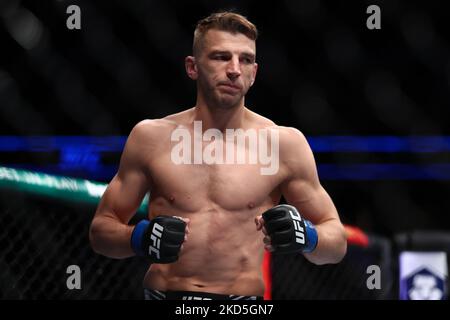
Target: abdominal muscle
223	254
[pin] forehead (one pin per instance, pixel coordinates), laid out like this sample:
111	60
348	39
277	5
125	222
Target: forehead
217	40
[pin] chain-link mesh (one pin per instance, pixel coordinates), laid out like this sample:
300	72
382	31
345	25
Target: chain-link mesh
40	238
294	277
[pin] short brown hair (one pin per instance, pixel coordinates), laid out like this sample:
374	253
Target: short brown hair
223	21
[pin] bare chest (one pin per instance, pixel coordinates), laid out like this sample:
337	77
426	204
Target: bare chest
229	186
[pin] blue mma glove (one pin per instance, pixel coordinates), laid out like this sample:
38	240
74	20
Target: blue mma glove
288	231
160	239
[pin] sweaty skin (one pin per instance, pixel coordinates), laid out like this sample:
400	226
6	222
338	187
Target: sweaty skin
221	203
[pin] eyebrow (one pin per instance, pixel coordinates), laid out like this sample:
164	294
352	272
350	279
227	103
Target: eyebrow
249	55
244	54
218	52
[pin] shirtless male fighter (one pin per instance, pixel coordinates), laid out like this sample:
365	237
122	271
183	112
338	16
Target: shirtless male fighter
211	215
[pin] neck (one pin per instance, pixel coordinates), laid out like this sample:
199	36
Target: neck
219	118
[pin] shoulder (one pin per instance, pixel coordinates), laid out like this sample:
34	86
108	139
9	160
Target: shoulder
288	135
152	134
167	123
151	130
292	139
151	126
146	137
294	151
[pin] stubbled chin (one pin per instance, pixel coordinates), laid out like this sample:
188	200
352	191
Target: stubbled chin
228	101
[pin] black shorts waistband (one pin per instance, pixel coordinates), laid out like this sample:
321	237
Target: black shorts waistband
151	294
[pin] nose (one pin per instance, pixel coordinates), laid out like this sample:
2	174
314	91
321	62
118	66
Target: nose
233	68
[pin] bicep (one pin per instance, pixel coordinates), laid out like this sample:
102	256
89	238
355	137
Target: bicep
123	196
311	199
302	187
127	189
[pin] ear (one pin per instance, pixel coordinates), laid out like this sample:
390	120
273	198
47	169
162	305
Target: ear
191	67
255	70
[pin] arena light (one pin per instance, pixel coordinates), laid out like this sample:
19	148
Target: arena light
80	156
387	144
52	143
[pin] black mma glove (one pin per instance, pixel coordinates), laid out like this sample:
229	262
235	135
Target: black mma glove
288	231
159	239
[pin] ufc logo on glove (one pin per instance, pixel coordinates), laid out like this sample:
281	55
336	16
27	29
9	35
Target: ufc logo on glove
299	231
156	240
159	239
289	233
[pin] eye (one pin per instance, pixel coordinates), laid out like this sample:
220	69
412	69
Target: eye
220	57
247	60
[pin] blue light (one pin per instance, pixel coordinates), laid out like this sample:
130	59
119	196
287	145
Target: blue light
80	156
387	144
55	143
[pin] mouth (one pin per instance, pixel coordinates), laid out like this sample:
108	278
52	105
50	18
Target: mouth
229	86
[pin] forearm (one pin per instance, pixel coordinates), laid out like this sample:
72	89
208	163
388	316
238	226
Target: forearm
332	244
110	237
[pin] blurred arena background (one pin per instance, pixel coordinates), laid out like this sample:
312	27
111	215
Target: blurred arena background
374	104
